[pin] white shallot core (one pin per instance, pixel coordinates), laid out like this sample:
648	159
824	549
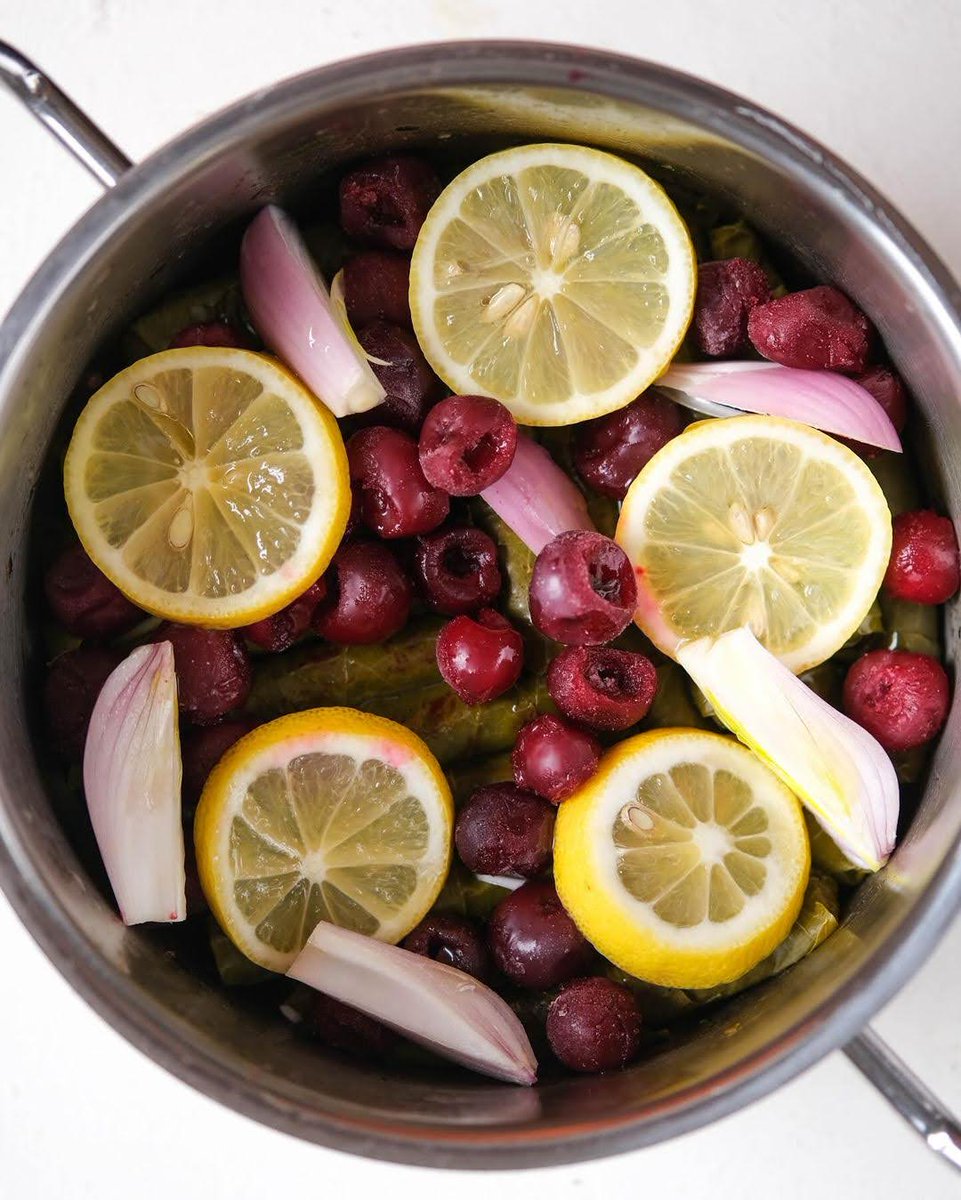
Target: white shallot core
836	769
131	777
429	1002
292	311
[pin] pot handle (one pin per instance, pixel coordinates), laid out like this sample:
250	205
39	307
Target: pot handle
54	109
907	1094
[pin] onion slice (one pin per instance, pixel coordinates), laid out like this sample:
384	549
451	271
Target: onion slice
131	777
536	498
820	398
292	311
429	1002
837	769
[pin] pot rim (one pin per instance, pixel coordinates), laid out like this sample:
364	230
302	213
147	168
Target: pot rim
174	1044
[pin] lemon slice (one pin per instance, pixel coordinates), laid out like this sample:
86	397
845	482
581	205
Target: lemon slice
556	278
208	484
758	522
683	860
325	815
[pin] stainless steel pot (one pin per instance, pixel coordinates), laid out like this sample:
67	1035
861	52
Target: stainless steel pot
134	242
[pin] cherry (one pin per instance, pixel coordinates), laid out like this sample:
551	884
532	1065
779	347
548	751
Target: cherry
384	201
457	569
611	450
84	600
600	687
347	1029
70	692
279	631
453	941
376	286
899	697
467	443
504	830
480	657
818	328
534	941
213	671
368	595
552	757
212	333
924	558
583	591
594	1024
394	498
727	291
888	389
201	750
404	374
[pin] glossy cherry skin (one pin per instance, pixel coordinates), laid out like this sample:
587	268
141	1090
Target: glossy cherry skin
451	940
534	941
553	757
924	558
480	657
368	595
393	497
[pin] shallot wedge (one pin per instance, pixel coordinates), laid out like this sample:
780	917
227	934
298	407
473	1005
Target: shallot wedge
131	777
435	1005
293	312
823	399
536	498
835	768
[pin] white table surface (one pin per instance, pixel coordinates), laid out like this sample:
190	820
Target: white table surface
82	1114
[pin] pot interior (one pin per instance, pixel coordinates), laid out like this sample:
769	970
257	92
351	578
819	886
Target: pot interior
189	201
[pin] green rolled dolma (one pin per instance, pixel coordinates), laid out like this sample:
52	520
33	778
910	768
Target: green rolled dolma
829	858
604	512
467	777
897	480
464	895
819	917
673	707
911	765
910	626
235	969
871	626
454	730
213	300
316	674
827	680
517	561
658	1005
738	240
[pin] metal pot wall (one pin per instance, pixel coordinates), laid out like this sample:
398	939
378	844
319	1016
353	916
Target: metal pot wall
155	219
